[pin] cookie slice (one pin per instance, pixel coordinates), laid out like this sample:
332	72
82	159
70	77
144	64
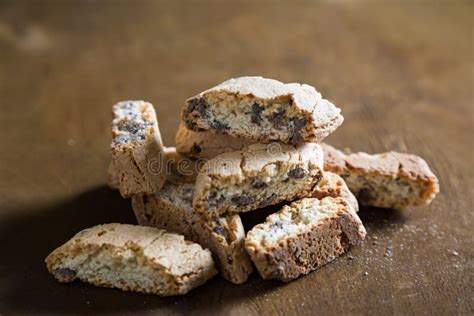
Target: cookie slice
264	110
388	180
132	258
303	236
172	209
257	176
206	144
334	186
137	149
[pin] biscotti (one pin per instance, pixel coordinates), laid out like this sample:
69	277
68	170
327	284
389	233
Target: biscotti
303	236
136	148
132	258
334	186
172	209
257	176
388	180
206	144
264	110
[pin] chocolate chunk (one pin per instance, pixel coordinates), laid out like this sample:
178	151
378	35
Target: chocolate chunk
279	119
212	195
214	200
196	148
258	184
132	127
296	138
65	274
299	122
219	125
297	173
198	104
191	105
268	201
243	200
256	114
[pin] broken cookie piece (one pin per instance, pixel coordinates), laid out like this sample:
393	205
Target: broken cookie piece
388	180
303	236
136	148
257	176
172	209
132	258
263	110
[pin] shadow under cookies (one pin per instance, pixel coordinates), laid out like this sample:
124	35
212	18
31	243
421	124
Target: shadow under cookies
26	240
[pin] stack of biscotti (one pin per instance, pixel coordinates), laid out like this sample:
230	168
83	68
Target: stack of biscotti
248	145
260	139
249	130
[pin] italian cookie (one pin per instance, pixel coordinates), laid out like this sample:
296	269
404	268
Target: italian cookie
263	110
132	258
136	148
387	180
303	236
257	176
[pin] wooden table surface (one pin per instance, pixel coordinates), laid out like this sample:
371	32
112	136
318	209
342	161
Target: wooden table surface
402	72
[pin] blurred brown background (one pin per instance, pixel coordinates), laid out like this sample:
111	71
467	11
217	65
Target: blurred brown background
402	72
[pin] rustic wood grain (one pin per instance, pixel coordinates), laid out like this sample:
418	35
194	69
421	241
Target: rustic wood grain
401	71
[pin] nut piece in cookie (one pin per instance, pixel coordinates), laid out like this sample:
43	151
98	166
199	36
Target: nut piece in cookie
172	209
136	148
303	236
132	258
263	110
387	180
257	176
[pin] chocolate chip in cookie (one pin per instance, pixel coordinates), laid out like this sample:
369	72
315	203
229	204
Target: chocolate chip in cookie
278	119
243	200
256	117
297	173
219	125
